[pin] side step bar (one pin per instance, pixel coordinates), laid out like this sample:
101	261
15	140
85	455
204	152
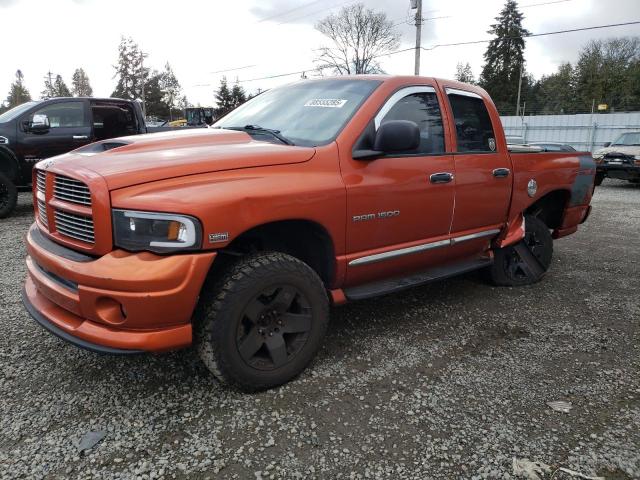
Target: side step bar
384	287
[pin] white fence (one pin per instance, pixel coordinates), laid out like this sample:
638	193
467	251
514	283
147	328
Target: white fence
586	132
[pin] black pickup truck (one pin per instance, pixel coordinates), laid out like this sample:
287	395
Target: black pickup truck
41	129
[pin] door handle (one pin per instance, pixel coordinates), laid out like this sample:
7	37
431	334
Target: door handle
501	172
442	177
80	137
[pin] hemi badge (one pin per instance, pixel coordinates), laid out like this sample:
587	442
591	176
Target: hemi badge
218	237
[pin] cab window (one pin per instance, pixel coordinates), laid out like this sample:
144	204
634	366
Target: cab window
423	109
474	132
63	115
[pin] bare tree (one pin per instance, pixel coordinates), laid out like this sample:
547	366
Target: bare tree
359	37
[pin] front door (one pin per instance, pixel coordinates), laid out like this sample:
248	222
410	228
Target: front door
68	129
400	206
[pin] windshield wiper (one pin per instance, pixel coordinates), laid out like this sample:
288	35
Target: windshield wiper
259	129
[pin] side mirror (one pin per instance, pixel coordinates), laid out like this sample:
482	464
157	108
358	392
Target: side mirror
607	144
39	124
394	136
397	136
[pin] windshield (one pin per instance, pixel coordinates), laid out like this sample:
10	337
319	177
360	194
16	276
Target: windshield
308	113
16	112
629	139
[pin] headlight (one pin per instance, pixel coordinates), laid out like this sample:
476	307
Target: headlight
155	232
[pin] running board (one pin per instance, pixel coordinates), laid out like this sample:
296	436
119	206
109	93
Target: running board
384	287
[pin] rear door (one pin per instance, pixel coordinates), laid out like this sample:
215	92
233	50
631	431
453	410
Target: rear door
400	206
69	129
482	165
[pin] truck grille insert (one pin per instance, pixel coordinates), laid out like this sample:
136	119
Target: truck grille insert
70	190
41	180
42	214
75	226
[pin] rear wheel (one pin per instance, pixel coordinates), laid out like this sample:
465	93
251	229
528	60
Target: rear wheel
262	322
8	196
527	261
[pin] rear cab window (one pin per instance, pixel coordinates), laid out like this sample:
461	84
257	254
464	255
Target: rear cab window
473	128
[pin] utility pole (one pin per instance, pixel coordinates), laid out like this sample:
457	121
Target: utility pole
519	90
417	5
142	80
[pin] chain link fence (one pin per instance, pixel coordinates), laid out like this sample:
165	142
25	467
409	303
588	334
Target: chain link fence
584	132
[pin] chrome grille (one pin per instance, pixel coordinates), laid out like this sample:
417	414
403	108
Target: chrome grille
70	190
74	226
42	213
41	180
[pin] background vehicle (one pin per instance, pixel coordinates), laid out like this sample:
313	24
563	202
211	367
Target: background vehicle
198	116
41	129
553	147
238	237
620	159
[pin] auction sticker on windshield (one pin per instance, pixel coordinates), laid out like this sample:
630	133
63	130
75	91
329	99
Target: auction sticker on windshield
326	103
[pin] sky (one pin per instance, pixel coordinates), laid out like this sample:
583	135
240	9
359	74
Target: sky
251	39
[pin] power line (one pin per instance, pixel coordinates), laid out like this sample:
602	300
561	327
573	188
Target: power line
471	42
557	32
286	12
232	69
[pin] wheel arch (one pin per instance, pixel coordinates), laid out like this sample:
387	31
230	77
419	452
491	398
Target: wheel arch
550	207
307	240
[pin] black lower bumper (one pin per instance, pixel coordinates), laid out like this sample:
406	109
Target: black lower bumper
51	328
621	172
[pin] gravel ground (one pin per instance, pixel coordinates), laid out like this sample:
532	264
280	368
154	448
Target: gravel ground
450	380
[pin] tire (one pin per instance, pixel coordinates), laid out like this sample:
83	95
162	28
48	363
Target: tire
599	179
527	261
262	322
8	196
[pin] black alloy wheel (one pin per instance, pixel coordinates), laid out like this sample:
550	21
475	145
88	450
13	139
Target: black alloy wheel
261	320
527	261
275	326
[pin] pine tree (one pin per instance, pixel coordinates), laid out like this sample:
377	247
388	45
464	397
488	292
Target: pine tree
18	93
155	105
130	72
61	88
49	89
464	73
504	57
238	95
80	84
55	88
224	99
171	89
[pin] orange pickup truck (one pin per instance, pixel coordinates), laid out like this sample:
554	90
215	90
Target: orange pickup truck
238	238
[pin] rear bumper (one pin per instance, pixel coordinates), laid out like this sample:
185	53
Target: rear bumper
119	303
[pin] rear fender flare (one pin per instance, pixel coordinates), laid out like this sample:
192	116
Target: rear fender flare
514	232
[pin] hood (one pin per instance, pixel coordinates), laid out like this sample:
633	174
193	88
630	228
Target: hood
633	150
128	161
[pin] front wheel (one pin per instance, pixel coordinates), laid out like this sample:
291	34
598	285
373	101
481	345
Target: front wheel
599	179
262	322
527	261
8	196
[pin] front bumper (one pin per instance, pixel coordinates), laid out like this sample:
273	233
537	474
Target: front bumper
118	303
620	172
